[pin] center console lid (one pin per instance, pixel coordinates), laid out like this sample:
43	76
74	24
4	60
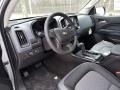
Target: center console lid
115	50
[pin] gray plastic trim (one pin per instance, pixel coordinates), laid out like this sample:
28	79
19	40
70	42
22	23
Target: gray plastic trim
26	28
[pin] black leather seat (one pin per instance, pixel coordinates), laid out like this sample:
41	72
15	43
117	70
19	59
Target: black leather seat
89	76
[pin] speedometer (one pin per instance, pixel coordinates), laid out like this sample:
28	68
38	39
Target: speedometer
38	26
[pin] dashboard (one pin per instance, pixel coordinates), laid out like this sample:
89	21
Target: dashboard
28	40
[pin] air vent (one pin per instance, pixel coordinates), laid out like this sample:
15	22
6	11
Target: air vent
22	39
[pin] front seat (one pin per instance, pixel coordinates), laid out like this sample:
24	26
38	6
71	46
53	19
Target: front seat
89	76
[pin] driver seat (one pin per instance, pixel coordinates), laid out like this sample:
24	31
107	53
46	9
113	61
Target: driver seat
89	76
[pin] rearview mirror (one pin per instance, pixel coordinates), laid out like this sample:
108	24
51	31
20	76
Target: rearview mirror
100	11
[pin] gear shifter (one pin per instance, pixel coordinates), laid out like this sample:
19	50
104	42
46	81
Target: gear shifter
82	46
87	54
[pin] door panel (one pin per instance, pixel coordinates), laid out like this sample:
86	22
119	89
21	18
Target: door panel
5	83
108	28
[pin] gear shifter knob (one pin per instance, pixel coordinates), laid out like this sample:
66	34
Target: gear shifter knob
82	46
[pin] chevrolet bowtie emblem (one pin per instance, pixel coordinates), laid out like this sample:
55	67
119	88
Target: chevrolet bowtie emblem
64	33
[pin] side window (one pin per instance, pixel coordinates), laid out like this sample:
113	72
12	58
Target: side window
1	1
112	7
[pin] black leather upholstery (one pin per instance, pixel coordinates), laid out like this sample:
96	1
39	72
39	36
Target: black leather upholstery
89	76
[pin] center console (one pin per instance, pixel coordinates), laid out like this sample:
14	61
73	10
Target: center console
88	55
116	50
112	62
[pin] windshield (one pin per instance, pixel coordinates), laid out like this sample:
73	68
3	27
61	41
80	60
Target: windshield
31	8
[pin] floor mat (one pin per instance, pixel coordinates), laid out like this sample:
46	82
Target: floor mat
41	79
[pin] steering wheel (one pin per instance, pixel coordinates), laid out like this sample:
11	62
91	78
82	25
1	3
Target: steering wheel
65	39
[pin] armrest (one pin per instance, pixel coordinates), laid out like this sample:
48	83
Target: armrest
115	50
